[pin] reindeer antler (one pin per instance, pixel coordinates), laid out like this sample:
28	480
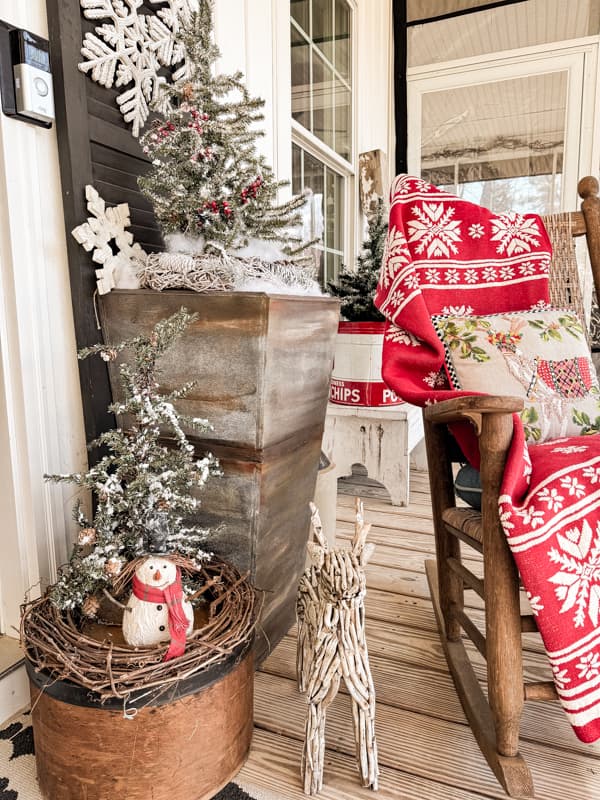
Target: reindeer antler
361	530
317	526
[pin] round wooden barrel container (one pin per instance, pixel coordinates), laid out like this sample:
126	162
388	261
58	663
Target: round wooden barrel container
185	744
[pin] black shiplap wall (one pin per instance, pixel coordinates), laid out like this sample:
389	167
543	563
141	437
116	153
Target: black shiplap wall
95	146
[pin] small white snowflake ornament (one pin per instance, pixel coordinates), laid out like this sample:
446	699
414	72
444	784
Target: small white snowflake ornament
132	47
119	269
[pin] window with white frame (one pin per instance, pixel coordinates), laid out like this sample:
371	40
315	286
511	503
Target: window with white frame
321	79
326	208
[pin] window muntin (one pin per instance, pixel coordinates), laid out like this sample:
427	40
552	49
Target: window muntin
321	71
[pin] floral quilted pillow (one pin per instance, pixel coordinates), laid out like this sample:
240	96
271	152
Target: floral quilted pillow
541	356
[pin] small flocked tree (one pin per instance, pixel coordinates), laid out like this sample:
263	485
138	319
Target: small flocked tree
142	486
207	180
357	288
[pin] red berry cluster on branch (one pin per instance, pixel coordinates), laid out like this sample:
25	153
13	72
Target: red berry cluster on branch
166	129
195	121
251	190
202	154
215	207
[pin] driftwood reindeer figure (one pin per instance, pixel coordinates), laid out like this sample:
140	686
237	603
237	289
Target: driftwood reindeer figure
332	645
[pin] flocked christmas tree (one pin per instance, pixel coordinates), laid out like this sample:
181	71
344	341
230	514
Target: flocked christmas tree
357	288
207	180
143	487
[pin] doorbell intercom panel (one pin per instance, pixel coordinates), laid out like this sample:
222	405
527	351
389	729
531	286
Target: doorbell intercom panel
34	93
25	76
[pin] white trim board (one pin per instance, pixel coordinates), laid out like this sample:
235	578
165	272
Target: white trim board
501	57
14	686
14	693
41	419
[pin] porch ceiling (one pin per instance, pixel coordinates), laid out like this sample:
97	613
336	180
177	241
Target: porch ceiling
426	9
520	24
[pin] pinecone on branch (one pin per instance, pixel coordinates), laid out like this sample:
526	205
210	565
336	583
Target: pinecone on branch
90	607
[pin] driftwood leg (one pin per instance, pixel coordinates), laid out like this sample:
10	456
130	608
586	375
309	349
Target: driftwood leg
306	615
323	686
366	746
359	682
314	749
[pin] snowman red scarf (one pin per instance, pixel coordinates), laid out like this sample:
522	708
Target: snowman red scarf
445	255
172	597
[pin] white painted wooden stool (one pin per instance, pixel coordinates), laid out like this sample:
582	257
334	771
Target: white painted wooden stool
381	439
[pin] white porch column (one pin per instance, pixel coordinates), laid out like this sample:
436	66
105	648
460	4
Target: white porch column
41	422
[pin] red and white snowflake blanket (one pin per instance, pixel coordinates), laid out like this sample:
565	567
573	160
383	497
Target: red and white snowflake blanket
445	255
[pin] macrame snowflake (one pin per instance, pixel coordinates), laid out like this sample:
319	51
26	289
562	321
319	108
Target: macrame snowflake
119	269
588	666
132	47
561	677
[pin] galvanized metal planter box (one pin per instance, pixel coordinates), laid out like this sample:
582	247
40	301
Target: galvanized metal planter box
262	365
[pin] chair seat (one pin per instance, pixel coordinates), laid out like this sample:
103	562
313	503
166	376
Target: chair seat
465	523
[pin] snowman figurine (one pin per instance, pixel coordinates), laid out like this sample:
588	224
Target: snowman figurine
156	610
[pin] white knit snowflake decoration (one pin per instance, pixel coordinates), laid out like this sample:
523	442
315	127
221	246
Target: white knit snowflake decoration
119	270
177	15
131	47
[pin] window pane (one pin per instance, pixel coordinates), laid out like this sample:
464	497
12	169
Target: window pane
342	39
334	215
322	26
321	68
343	121
314	174
334	265
499	144
323	86
321	278
299	10
542	193
300	79
324	213
296	169
314	178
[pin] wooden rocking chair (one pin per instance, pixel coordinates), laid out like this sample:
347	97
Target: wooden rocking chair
495	720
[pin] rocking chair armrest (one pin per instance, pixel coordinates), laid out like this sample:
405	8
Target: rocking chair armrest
462	409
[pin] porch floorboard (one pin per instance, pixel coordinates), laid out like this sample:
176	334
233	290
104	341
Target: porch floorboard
426	750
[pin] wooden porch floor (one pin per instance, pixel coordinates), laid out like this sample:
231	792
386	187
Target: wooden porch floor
426	750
